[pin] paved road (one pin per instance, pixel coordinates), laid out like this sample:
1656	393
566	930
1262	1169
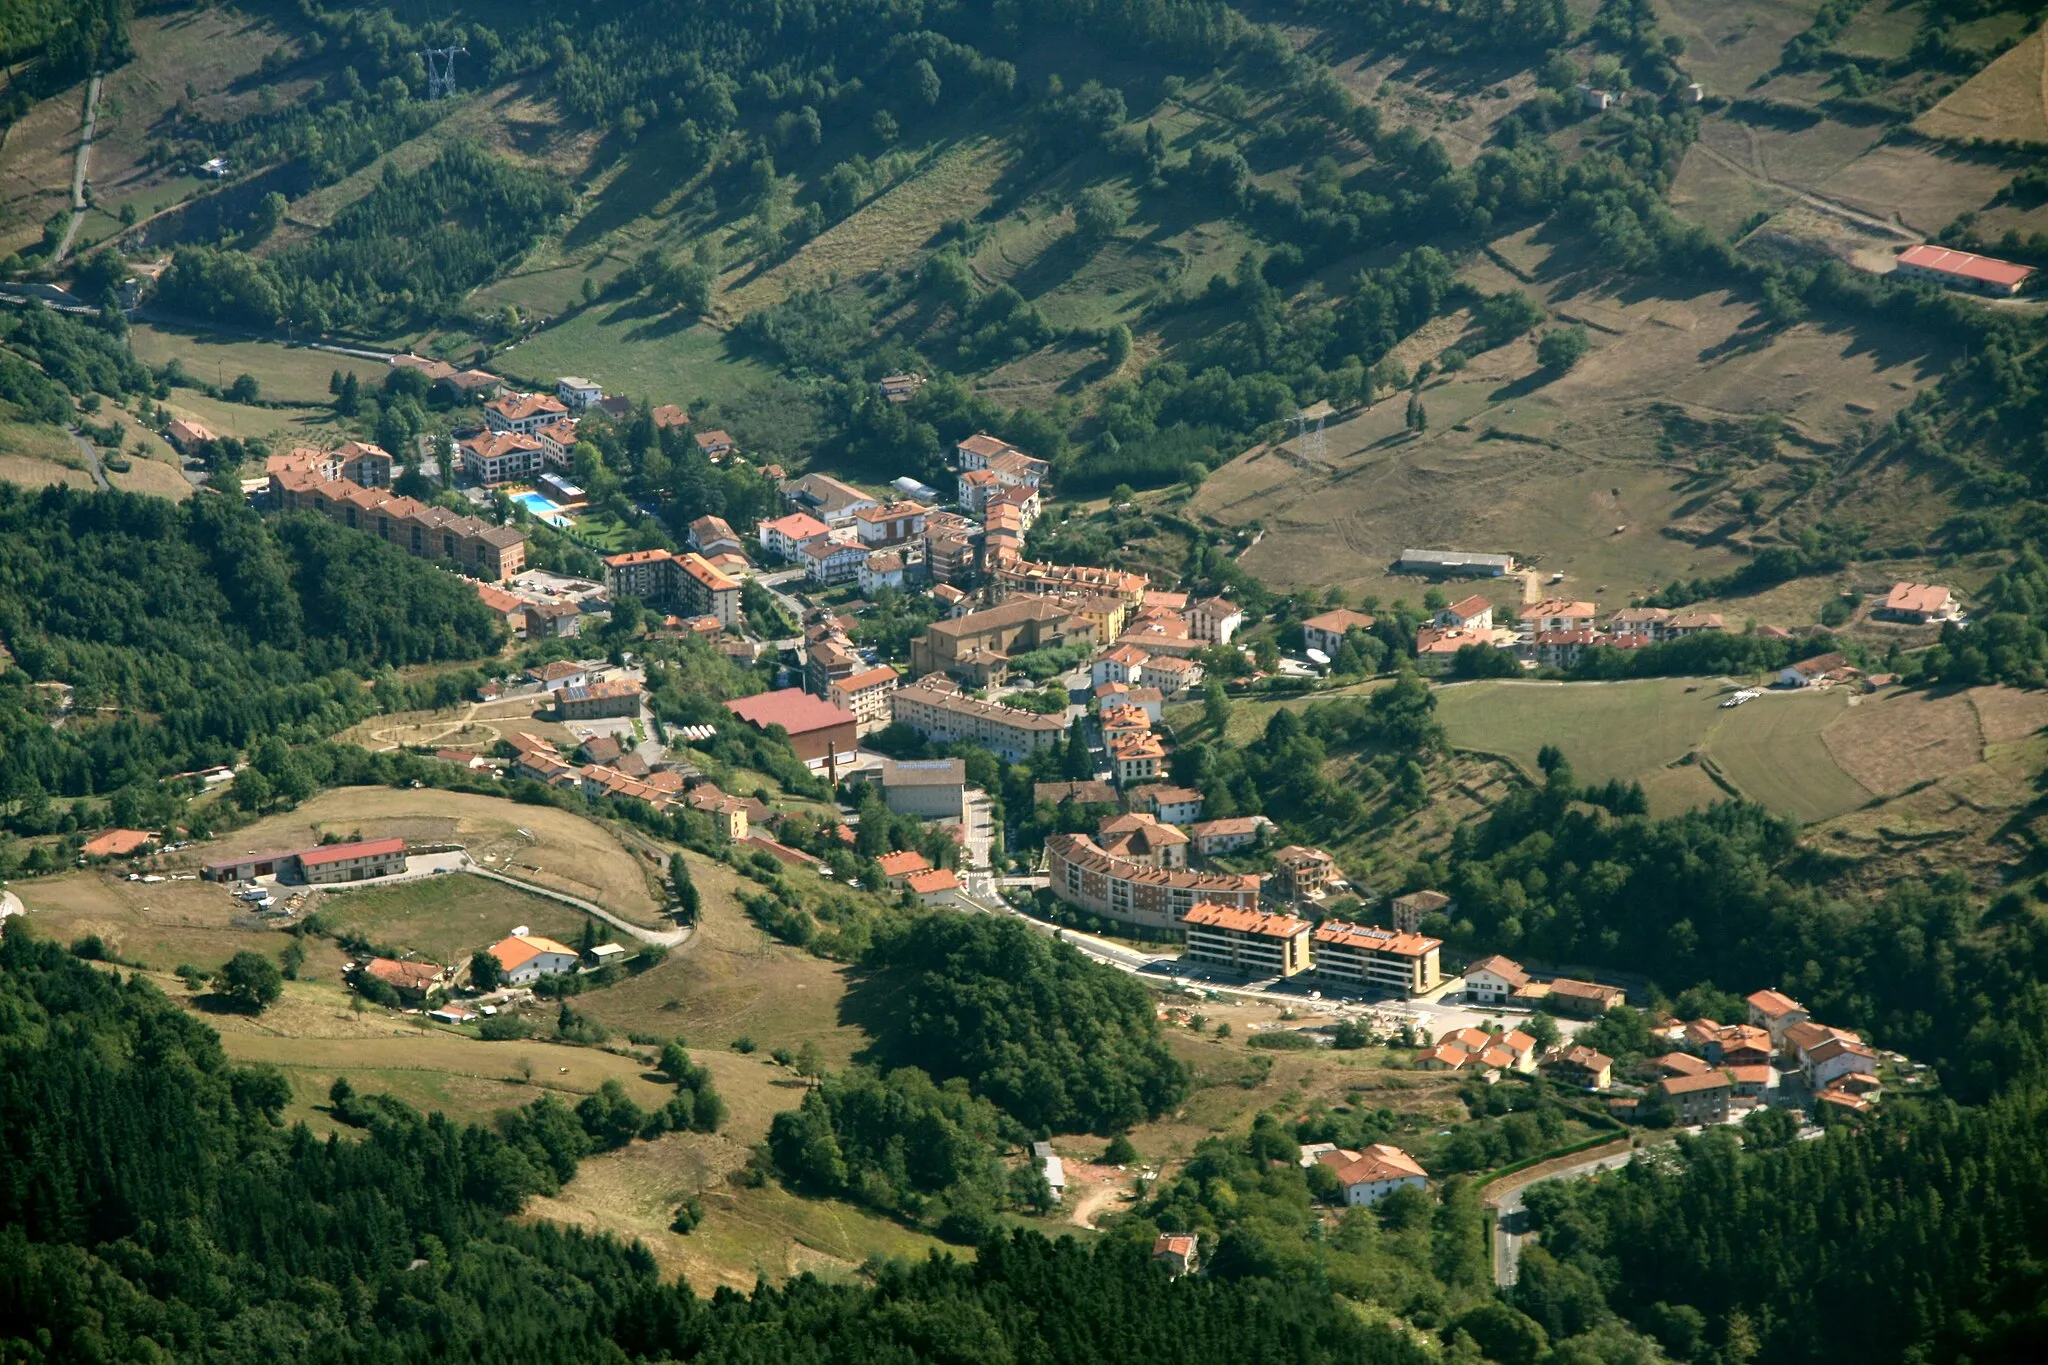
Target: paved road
92	459
78	205
1511	1220
664	938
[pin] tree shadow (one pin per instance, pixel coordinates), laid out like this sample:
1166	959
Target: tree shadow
870	1005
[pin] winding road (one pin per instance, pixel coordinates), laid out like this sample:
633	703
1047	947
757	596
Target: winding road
92	460
78	204
1510	1222
660	938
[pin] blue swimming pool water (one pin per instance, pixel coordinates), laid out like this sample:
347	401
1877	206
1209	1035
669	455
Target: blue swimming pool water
548	511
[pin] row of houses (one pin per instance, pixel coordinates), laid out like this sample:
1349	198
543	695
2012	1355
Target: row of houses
301	480
1361	956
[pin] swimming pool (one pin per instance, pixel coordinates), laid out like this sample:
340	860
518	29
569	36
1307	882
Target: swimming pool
549	512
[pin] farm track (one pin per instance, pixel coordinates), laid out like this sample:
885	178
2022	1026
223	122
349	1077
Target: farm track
1817	202
78	168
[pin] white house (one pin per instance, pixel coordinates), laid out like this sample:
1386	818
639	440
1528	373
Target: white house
1055	1170
1119	665
577	392
827	561
1373	1174
1474	613
1836	1058
1214	620
525	957
1491	980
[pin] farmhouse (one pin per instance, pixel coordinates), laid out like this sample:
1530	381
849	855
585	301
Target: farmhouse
1964	270
1491	980
188	437
412	980
1818	671
1326	632
1584	998
1226	835
1174	805
524	958
1409	909
1259	945
1177	1252
1473	613
325	865
1578	1065
1373	1174
1775	1013
1698	1099
1920	604
897	866
934	886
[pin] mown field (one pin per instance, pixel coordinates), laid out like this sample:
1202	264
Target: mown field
284	374
445	919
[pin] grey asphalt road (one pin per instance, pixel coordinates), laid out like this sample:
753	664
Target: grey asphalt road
1510	1224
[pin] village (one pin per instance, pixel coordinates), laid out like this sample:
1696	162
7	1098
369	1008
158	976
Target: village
1021	658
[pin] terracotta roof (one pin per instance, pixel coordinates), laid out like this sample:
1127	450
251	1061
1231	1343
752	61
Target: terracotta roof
1339	622
514	407
1207	914
1692	1085
1380	1161
904	863
1967	264
1506	968
798	526
1558	606
1579	1055
793	709
1225	828
983	444
1924	599
1773	1005
1341	935
938	879
1681	1064
338	853
1470	607
1083	852
872	677
515	952
1586	990
1173	1244
405	976
1449	1054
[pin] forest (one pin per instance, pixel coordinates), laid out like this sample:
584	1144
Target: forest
187	632
151	1204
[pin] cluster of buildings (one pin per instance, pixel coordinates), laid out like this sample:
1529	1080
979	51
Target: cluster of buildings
840	534
324	865
314	480
1710	1072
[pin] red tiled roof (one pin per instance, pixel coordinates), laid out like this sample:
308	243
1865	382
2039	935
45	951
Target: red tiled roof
938	879
336	853
793	709
1209	914
1967	264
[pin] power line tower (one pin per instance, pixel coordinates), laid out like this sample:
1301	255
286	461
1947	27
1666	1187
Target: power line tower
441	70
1309	422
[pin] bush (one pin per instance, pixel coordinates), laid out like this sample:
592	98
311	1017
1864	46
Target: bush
1284	1040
